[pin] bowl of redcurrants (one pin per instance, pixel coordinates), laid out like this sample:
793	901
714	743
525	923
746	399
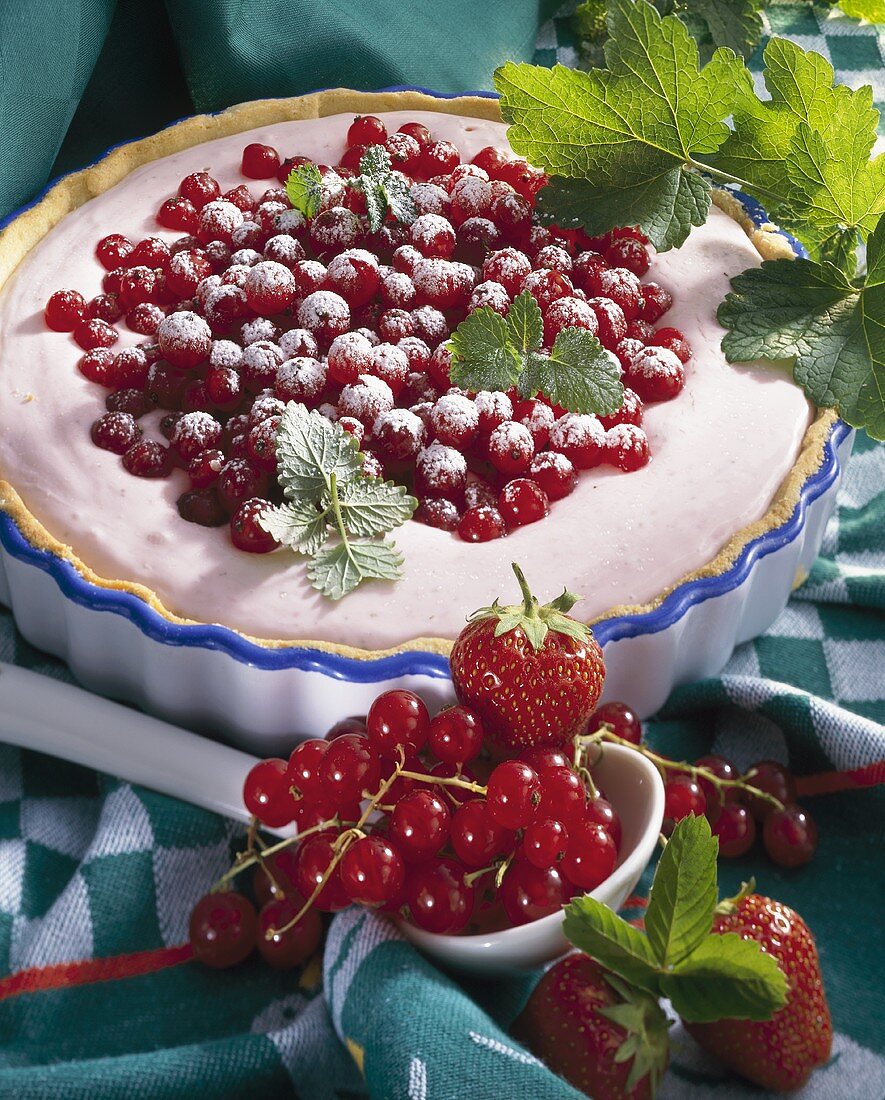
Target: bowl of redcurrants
473	853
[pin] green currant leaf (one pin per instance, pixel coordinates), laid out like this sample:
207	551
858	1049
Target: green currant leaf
338	569
666	204
832	327
648	115
579	374
304	187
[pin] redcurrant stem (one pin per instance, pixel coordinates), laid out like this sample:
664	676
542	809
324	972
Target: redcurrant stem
604	733
244	860
502	870
318	889
446	781
474	876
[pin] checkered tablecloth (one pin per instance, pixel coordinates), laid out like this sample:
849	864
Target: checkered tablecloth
98	998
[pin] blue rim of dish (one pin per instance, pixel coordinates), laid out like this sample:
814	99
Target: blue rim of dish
157	627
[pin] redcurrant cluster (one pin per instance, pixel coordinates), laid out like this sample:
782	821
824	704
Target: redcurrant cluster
736	805
255	305
391	814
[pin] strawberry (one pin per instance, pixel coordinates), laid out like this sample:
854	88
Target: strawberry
603	1037
780	1053
533	673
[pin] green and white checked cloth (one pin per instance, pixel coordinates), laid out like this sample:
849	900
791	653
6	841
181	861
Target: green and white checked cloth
98	998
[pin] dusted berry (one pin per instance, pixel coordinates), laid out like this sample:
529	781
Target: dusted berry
630	411
131	367
481	523
65	310
325	314
509	267
554	257
223	929
433	236
443	284
146	458
439	513
301	379
335	230
627	447
128	401
355	276
178	213
440	471
454	421
115	432
554	473
246	532
538	417
194	432
511	448
145	318
494	408
203	470
522	501
113	251
399	435
655	302
270	288
185	339
105	307
187	269
366	400
656	374
94	333
581	438
546	286
673	340
390	364
439	158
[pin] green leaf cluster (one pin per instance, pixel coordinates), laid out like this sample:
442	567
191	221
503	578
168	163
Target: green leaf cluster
641	141
327	496
491	352
706	976
384	189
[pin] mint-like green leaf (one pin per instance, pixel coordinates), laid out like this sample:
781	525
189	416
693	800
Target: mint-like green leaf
309	450
304	187
683	895
399	199
595	929
483	357
525	323
807	149
726	977
384	189
649	114
299	524
831	327
371	507
579	374
873	11
666	204
338	569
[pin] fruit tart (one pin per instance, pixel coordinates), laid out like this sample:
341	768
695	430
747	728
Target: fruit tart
164	312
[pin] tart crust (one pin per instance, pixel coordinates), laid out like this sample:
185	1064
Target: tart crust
71	192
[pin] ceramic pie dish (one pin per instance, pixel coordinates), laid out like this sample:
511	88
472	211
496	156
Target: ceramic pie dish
679	562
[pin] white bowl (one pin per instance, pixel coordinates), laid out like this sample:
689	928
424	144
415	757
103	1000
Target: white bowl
633	785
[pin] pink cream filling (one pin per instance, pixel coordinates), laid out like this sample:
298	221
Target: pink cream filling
720	450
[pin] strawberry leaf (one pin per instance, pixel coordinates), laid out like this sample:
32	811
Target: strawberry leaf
304	187
608	938
726	977
683	896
